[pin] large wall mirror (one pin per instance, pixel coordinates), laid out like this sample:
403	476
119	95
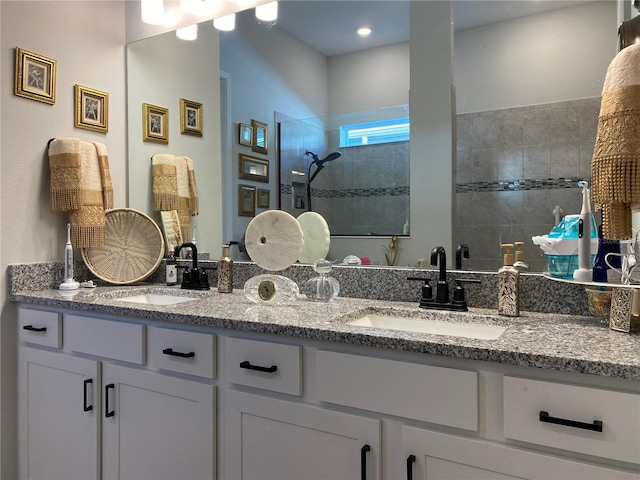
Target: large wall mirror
520	121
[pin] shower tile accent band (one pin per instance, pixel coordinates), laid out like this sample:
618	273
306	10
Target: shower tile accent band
520	184
352	192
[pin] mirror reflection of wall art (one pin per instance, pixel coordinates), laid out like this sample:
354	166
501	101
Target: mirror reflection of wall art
155	123
245	134
259	137
91	109
254	168
190	118
264	197
246	201
35	76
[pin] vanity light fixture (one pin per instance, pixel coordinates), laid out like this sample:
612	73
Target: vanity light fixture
267	12
364	31
188	33
152	11
226	23
191	7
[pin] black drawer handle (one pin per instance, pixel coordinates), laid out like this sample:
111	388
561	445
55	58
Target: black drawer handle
88	381
169	351
108	413
596	426
363	461
31	328
411	459
248	366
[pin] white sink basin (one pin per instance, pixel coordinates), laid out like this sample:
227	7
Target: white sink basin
156	299
436	327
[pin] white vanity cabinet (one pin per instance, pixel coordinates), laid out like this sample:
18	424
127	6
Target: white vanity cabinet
91	408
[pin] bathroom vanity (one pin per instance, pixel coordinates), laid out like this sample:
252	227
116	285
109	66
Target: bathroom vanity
218	387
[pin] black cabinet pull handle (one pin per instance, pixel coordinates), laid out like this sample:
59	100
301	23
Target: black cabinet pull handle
411	459
248	366
170	351
108	413
88	381
363	461
596	426
31	328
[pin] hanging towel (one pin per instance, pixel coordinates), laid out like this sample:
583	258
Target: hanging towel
105	175
165	182
194	201
184	197
77	177
615	169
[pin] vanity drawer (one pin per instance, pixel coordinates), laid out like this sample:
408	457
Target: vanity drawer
270	366
583	408
445	396
191	353
105	338
40	327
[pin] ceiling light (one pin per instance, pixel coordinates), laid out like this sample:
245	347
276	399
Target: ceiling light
152	11
364	31
267	12
226	23
188	33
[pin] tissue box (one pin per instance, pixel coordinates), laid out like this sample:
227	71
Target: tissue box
562	266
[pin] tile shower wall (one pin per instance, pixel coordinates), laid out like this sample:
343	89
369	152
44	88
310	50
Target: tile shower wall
514	166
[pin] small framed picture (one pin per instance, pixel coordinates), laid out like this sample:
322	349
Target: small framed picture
259	137
35	76
264	197
245	134
91	109
190	118
253	168
246	200
155	123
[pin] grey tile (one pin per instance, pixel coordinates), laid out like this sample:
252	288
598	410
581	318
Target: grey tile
564	124
510	163
565	159
537	161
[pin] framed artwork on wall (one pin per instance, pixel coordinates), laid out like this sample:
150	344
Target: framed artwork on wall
190	118
264	197
254	168
245	134
259	137
91	109
246	200
35	76
155	123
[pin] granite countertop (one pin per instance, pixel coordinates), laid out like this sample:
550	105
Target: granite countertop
558	342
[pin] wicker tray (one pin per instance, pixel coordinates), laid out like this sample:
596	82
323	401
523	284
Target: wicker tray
133	248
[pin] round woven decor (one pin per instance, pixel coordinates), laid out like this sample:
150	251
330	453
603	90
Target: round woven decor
133	248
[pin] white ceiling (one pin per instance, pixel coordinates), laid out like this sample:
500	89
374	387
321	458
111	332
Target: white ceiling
329	25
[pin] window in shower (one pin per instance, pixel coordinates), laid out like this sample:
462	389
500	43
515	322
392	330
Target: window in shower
373	133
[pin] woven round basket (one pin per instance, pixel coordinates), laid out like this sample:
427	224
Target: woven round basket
133	248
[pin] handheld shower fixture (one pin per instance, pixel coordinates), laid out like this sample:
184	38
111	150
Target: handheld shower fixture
319	164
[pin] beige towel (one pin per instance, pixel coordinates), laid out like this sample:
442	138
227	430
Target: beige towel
194	201
615	169
64	164
165	182
105	175
184	197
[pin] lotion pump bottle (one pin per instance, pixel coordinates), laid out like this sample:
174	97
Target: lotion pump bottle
508	285
520	264
171	276
225	271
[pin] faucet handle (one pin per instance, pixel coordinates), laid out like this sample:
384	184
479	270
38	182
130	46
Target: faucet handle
458	291
427	291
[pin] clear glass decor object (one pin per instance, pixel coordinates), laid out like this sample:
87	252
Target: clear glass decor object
270	289
322	288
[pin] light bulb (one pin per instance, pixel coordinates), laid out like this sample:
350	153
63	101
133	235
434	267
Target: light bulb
364	31
188	33
226	23
152	11
267	12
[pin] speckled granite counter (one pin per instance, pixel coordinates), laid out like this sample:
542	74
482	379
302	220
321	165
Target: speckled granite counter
549	341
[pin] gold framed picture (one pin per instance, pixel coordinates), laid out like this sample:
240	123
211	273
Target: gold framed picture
245	134
264	198
246	200
259	136
254	168
35	76
190	118
155	123
91	109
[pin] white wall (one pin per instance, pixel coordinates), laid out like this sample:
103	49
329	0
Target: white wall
87	39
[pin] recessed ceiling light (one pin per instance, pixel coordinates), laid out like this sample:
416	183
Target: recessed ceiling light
364	31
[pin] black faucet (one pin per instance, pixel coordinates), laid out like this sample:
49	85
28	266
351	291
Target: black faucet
193	279
461	251
438	254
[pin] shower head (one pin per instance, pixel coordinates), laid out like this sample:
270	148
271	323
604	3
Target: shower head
320	164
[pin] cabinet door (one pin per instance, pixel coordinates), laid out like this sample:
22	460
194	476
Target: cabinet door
438	456
156	427
58	416
270	439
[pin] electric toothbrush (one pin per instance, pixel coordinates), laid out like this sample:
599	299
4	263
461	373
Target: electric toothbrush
69	283
584	272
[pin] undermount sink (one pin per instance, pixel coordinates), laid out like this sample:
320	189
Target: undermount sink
436	327
156	299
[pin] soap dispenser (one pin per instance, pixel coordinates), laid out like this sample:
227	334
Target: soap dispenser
508	285
225	271
520	264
